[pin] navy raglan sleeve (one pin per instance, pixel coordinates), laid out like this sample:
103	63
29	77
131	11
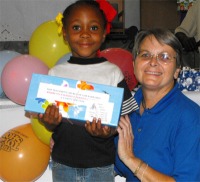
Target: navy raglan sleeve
129	103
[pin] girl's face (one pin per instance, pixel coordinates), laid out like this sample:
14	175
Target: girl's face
84	32
155	65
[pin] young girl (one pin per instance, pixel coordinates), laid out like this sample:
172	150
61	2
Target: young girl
85	153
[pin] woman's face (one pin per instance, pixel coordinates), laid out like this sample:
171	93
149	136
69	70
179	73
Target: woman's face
151	70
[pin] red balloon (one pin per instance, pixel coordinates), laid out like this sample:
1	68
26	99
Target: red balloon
16	76
23	156
124	60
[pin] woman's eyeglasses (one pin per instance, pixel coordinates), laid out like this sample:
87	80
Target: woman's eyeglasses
163	57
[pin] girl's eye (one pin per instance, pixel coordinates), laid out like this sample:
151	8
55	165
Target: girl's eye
94	28
76	27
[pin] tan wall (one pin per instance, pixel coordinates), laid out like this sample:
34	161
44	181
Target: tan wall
159	13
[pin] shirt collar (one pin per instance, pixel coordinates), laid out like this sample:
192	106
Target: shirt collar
163	103
84	61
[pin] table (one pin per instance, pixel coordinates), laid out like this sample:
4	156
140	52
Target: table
195	96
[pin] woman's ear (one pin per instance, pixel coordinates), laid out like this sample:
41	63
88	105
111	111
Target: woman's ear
134	66
177	73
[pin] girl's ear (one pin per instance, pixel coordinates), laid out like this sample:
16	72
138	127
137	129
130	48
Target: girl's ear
103	39
64	34
177	73
104	36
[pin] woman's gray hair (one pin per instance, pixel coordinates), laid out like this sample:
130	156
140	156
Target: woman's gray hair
163	36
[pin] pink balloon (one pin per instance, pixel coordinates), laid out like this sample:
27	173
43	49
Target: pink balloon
16	76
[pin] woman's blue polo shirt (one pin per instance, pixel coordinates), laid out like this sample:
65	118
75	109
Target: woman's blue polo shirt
167	137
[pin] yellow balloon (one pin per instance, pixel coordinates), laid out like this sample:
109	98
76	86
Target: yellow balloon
40	131
22	156
47	45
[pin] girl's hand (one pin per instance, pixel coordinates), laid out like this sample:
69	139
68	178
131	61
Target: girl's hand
95	128
125	142
51	118
51	144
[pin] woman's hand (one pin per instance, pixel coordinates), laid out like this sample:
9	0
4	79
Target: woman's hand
95	128
125	142
143	171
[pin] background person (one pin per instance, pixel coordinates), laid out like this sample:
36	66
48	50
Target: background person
188	32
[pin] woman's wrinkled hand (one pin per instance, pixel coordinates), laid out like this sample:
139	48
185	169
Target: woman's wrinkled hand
126	138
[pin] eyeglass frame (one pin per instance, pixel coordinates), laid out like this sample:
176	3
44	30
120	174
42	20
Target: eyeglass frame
156	56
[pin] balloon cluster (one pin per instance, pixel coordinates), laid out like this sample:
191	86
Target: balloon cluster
24	150
189	79
46	49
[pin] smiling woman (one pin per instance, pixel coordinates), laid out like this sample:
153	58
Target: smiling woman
152	140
